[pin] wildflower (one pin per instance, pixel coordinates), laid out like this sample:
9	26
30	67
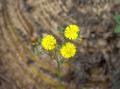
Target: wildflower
68	50
48	42
71	32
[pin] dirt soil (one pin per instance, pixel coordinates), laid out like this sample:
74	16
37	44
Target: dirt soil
97	62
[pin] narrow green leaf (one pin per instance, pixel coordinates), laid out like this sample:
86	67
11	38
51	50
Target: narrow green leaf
117	19
117	30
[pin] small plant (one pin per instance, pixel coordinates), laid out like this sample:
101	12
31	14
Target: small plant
61	52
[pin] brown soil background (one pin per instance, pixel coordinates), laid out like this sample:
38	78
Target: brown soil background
97	62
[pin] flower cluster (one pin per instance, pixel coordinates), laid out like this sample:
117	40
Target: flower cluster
67	50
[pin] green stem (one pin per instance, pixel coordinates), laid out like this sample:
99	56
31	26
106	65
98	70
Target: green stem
58	69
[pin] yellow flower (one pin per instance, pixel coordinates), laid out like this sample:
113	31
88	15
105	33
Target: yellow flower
48	42
71	32
68	50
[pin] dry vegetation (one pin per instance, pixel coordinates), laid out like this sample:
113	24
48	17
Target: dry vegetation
97	63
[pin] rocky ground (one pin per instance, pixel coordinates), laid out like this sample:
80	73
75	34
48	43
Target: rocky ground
97	62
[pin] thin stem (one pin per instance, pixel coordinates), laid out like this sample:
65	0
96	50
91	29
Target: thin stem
58	69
